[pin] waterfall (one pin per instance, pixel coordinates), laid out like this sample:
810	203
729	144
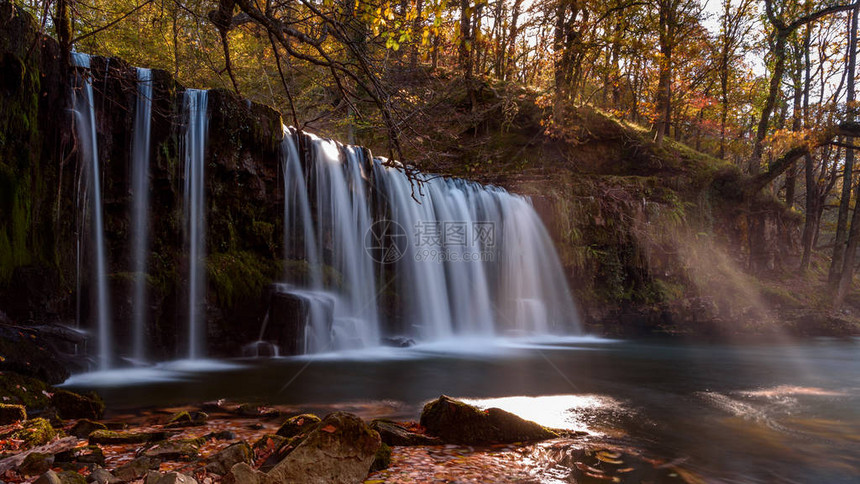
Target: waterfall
478	262
140	209
195	107
85	126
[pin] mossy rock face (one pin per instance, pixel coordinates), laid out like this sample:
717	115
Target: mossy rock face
35	432
71	405
10	414
460	423
298	424
382	459
110	437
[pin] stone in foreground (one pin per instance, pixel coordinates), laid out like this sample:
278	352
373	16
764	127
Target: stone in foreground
457	422
223	461
340	449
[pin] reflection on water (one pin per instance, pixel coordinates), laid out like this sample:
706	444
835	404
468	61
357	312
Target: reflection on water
743	413
569	412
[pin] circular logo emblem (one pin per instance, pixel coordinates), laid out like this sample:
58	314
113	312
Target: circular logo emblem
386	241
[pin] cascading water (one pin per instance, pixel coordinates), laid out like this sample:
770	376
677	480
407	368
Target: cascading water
140	209
85	126
195	107
479	261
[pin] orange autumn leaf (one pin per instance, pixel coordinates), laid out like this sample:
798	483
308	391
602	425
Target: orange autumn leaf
328	428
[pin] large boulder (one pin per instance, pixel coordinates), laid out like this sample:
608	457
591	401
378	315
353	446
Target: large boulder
340	449
289	314
460	423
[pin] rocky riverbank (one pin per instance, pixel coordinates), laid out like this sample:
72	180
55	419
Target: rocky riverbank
241	443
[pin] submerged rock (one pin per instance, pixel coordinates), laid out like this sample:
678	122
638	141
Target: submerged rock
110	437
10	414
84	427
187	419
398	341
392	433
298	424
221	462
181	449
221	435
460	423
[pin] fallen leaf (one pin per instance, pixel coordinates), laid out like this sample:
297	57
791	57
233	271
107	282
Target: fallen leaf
328	428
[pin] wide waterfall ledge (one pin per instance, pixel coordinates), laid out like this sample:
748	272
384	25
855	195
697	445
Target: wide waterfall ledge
375	254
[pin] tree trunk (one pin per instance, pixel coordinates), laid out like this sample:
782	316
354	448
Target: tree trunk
841	239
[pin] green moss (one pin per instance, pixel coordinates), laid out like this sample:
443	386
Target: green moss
37	431
26	391
237	276
382	459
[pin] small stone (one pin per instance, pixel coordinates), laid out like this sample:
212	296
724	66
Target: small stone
187	419
136	468
103	476
90	454
36	463
181	449
84	427
49	477
10	414
392	433
221	462
168	478
298	424
242	473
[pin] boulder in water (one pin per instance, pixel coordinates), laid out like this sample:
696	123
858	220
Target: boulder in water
340	449
289	315
395	434
460	423
187	419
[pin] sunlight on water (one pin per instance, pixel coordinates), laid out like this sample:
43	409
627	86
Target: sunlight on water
555	411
